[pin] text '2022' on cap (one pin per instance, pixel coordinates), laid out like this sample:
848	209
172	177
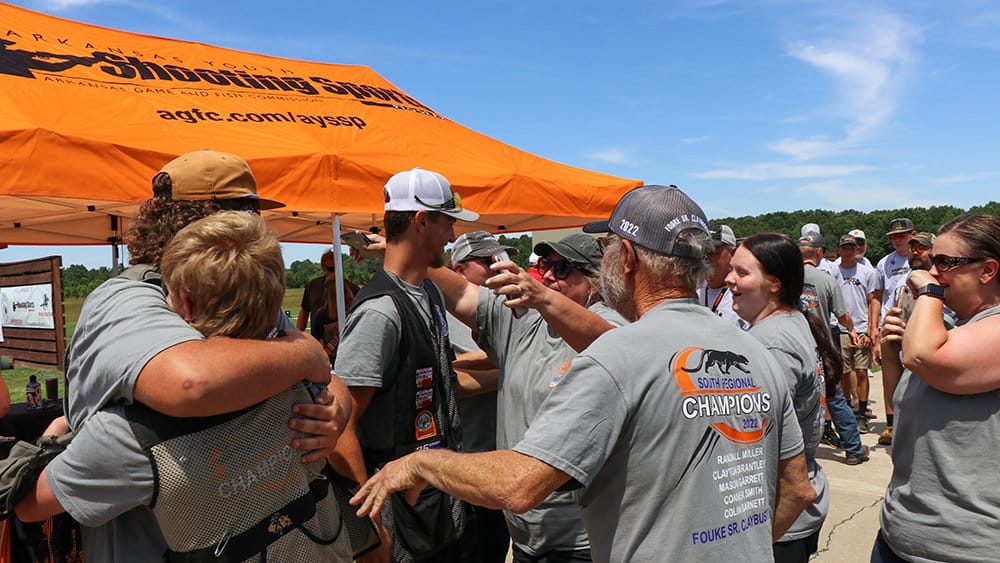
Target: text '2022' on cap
652	217
424	190
210	175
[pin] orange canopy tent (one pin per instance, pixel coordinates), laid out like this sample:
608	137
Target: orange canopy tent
89	114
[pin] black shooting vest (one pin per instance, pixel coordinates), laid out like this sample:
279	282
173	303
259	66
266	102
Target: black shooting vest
230	488
421	381
419	375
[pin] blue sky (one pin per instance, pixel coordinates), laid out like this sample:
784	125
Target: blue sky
750	107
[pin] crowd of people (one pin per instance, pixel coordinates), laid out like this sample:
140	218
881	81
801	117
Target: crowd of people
655	393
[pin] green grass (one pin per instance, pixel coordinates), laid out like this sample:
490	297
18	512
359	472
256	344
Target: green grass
17	378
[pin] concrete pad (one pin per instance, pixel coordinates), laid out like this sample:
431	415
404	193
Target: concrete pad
856	493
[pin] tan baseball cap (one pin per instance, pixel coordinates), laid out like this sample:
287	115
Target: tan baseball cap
212	175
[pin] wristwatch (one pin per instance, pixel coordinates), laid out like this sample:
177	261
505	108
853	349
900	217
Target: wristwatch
932	289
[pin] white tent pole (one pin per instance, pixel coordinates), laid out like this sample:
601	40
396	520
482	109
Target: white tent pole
339	267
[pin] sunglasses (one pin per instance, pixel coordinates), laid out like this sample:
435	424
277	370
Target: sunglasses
453	205
561	268
918	248
944	263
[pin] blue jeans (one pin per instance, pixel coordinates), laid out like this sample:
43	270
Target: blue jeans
882	553
845	422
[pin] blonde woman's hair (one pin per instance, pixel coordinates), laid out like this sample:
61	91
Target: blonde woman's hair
230	266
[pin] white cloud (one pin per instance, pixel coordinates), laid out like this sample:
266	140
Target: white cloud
868	63
612	155
694	140
57	5
838	194
780	171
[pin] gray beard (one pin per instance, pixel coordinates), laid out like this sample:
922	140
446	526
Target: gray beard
616	294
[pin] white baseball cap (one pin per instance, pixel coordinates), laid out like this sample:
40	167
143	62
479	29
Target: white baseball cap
857	233
424	190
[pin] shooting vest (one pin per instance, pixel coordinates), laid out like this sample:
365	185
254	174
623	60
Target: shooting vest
230	488
421	382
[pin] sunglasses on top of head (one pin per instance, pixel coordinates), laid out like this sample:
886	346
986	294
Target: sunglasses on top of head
561	268
453	205
944	263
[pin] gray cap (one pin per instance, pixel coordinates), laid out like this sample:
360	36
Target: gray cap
809	228
652	217
478	244
579	248
812	239
722	235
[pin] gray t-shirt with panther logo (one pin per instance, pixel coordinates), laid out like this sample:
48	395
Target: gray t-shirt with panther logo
674	425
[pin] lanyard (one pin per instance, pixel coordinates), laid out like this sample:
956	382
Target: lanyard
718	298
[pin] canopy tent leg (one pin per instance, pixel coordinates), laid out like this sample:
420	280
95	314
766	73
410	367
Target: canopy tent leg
339	268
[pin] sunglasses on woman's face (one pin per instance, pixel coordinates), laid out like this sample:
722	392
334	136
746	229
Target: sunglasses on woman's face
561	268
943	262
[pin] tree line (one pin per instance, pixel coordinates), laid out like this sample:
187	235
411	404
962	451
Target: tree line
79	281
834	224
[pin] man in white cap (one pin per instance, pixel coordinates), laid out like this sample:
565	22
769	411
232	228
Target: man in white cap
396	359
678	413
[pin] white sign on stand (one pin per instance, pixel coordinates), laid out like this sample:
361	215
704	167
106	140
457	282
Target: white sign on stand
27	306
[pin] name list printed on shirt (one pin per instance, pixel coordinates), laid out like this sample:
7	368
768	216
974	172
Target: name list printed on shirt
741	481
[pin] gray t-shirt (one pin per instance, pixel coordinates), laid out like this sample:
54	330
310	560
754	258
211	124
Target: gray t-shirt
821	295
674	425
856	283
787	335
479	412
943	498
532	358
123	325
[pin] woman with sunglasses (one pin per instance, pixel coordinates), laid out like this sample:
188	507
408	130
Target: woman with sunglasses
533	352
944	496
766	280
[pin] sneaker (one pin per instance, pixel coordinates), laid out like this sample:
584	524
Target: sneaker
830	438
855	459
869	414
863	426
885	438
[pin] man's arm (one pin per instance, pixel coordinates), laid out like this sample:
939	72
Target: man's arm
502	479
794	493
40	502
346	458
219	375
300	322
461	297
574	323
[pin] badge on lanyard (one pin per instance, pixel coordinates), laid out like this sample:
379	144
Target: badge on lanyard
424	425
